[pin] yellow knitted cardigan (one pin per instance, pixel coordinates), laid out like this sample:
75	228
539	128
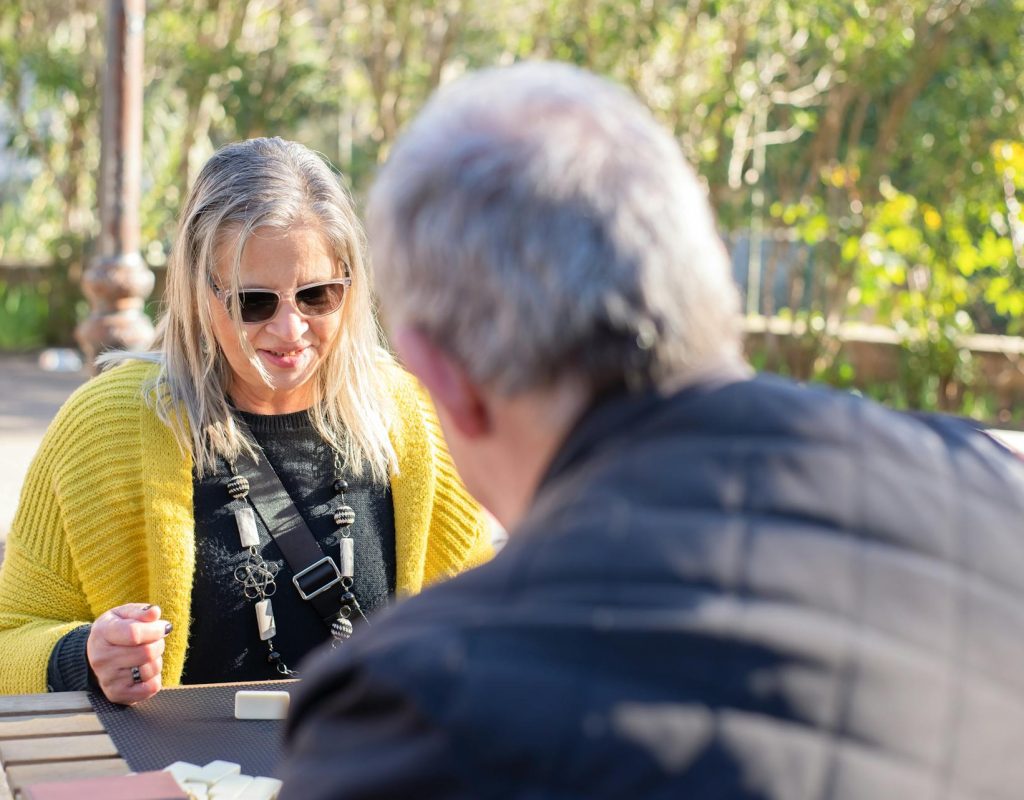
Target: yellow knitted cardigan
105	518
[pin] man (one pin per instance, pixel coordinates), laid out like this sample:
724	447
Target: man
716	585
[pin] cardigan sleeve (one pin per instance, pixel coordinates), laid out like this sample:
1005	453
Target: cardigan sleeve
77	546
460	531
69	669
40	596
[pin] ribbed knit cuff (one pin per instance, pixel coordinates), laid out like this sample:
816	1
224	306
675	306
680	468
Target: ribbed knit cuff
68	670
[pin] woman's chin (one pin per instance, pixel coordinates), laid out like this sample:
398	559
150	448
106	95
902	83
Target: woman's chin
291	376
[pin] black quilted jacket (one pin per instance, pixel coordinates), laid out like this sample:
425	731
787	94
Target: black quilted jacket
754	590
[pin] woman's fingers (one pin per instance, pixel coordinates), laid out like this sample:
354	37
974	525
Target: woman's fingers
126	691
133	624
131	632
146	671
129	636
143	612
117	657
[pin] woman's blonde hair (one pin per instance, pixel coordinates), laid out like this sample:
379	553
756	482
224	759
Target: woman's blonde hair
244	186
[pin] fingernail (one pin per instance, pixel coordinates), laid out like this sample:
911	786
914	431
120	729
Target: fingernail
168	628
148	607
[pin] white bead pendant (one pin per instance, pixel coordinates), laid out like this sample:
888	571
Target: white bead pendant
245	519
348	557
265	619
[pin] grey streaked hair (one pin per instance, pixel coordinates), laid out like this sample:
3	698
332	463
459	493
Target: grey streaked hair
245	186
536	222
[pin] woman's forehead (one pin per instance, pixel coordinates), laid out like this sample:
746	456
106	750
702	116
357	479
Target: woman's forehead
299	253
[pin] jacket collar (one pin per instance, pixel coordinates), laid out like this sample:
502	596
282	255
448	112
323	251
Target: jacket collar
614	413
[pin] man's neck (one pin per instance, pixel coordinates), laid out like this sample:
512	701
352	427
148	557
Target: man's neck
530	429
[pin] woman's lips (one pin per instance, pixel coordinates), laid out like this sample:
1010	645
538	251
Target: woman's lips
284	359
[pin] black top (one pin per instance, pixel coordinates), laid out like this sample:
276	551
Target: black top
224	643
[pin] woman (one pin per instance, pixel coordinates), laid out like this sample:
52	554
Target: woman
160	536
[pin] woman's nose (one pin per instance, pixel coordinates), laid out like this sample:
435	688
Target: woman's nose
288	323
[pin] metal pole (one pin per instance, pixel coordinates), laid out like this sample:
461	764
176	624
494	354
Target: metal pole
754	257
118	280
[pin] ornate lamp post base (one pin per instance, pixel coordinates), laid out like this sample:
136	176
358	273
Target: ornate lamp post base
116	287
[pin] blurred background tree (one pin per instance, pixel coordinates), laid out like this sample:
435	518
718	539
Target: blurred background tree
865	157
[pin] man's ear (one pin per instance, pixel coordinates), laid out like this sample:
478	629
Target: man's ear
450	387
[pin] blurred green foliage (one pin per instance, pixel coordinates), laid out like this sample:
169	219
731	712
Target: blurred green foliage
871	152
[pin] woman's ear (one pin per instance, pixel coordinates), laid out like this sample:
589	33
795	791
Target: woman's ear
450	386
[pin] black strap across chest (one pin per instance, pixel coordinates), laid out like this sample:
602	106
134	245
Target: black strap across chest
316	575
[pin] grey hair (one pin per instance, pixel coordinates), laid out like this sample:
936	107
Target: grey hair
244	186
536	222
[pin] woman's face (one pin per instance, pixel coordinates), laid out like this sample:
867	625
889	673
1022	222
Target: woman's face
290	346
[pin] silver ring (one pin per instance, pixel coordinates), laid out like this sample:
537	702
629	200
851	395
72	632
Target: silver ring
136	675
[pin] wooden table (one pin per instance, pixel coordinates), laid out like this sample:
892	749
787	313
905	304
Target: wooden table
52	737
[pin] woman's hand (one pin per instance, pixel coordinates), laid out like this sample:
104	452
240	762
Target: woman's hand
125	651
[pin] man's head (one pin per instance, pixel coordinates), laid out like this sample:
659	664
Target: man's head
537	227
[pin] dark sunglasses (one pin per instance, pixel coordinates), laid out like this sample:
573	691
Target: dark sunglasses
260	305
